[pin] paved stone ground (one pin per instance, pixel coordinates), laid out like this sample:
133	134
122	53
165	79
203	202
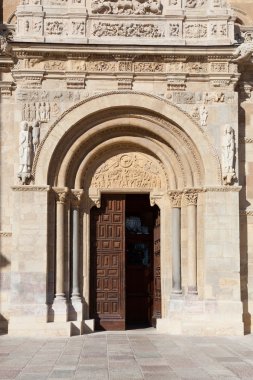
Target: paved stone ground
137	354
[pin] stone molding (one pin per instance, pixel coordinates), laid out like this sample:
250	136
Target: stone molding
31	188
5	234
108	21
213	150
246	140
225	189
246	212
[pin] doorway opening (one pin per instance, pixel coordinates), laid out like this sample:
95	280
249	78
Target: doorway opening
125	285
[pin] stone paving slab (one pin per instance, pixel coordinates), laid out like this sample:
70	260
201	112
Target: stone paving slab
130	355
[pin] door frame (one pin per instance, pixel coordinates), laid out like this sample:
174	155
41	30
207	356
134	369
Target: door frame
163	202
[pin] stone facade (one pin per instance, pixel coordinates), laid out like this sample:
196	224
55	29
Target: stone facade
162	92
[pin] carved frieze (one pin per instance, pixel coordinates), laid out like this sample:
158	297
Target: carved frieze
36	111
147	67
127	7
101	66
144	30
195	30
128	170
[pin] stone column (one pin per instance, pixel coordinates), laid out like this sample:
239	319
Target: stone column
60	296
75	295
175	198
191	198
76	199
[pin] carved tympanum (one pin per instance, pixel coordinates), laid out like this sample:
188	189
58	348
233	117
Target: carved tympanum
128	170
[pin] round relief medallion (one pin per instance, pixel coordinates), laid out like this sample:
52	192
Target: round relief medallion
126	161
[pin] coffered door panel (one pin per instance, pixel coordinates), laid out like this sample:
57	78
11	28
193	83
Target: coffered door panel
107	294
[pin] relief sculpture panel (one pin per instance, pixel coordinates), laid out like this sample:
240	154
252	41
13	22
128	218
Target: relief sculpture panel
137	7
128	171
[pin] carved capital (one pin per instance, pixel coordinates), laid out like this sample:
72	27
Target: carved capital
61	194
175	198
76	197
191	197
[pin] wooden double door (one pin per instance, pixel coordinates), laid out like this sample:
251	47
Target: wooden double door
125	285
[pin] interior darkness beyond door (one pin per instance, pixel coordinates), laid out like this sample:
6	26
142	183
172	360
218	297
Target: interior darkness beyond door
139	260
125	286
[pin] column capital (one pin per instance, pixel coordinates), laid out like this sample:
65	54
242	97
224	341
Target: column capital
175	198
61	194
76	197
191	197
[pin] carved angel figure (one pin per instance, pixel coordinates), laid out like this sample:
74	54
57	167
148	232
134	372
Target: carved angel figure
228	154
25	152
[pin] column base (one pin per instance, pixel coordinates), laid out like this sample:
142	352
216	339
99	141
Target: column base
30	327
59	309
75	309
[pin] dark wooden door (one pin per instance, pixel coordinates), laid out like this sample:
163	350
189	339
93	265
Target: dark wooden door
157	269
107	292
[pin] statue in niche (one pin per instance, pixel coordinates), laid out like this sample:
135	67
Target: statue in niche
25	152
228	155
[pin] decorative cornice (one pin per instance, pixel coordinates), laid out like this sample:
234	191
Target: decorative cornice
31	188
5	234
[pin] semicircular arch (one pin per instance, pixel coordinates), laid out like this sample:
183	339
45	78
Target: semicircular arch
80	120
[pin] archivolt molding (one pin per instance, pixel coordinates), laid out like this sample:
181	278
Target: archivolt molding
5	234
176	119
152	146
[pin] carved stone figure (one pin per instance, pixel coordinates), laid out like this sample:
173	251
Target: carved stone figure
36	135
138	7
228	155
245	50
25	152
5	37
128	170
203	114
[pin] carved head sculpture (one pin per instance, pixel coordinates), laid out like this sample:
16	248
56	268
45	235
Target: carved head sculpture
227	129
248	37
24	126
36	124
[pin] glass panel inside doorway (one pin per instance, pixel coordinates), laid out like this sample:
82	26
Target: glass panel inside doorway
125	262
